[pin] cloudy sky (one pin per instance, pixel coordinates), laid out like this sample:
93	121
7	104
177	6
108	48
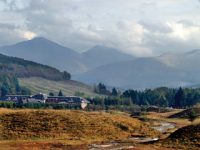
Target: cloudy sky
139	27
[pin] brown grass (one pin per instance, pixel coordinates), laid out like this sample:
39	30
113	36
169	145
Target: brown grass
179	122
196	121
185	138
68	127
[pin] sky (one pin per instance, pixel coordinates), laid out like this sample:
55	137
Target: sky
138	27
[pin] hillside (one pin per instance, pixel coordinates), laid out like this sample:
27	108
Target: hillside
37	77
187	62
187	113
169	69
101	55
139	73
68	87
185	138
24	68
69	126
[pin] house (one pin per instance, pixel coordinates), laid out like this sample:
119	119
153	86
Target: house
17	98
68	100
38	98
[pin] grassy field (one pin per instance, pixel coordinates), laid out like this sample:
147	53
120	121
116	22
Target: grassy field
70	129
185	135
38	85
26	127
179	122
184	138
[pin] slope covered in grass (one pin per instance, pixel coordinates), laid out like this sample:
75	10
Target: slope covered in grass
69	125
187	113
185	138
68	87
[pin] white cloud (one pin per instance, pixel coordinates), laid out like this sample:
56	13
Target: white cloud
28	35
183	32
181	37
14	4
134	26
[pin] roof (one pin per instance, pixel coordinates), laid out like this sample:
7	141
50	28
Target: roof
64	97
18	95
3	98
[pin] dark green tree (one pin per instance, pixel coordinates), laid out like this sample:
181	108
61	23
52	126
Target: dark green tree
192	115
16	84
179	98
66	75
25	91
60	93
51	94
102	89
4	91
114	92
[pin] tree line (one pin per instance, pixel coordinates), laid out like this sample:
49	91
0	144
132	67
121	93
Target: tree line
9	85
162	97
165	97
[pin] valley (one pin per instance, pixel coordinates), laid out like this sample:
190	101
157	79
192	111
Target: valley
99	75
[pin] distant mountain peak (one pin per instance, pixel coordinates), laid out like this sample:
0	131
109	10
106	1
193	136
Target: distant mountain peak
44	43
42	40
39	38
35	41
46	52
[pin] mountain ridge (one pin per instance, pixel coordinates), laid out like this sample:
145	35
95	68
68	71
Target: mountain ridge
115	68
99	55
25	68
50	53
169	69
140	73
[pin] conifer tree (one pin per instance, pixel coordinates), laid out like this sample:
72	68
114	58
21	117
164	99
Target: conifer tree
60	93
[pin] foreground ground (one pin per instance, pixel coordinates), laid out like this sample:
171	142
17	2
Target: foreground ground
64	129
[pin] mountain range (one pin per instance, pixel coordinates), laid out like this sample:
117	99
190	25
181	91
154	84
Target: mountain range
111	66
47	52
170	69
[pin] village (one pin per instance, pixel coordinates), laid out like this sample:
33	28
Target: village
45	99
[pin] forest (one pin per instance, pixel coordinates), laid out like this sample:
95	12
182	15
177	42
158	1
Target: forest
24	68
161	97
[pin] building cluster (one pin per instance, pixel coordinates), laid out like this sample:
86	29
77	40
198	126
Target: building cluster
43	98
